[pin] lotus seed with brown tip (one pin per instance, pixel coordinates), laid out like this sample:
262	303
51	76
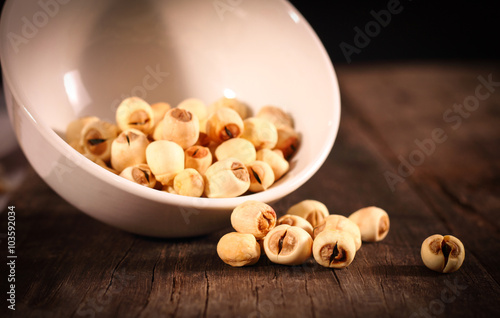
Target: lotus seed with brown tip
181	127
128	149
75	127
226	178
261	176
253	217
195	106
198	158
96	139
223	125
340	223
140	174
134	112
444	254
288	245
288	141
333	248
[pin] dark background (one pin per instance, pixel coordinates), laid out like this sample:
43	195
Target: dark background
439	30
435	30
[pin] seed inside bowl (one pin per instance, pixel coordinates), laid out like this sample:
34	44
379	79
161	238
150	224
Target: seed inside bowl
202	136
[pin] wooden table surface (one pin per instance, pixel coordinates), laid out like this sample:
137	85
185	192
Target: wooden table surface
421	140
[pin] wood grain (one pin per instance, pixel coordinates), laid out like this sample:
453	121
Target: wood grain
70	265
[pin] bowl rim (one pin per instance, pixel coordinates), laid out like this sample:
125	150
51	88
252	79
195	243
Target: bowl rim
270	195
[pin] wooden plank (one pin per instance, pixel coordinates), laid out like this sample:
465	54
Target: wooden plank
462	170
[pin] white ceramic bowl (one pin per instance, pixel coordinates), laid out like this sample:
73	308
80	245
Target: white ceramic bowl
65	59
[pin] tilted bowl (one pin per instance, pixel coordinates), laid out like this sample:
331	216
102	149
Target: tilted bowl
64	59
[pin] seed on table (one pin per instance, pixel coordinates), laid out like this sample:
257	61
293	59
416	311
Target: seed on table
312	210
295	220
334	249
253	217
238	249
373	223
341	223
288	245
443	254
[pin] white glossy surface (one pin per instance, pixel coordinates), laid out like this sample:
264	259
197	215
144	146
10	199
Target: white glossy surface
82	57
8	143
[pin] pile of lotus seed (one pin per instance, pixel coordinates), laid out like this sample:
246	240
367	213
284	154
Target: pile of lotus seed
216	151
308	229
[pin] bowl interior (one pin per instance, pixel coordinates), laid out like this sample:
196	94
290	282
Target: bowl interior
78	58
